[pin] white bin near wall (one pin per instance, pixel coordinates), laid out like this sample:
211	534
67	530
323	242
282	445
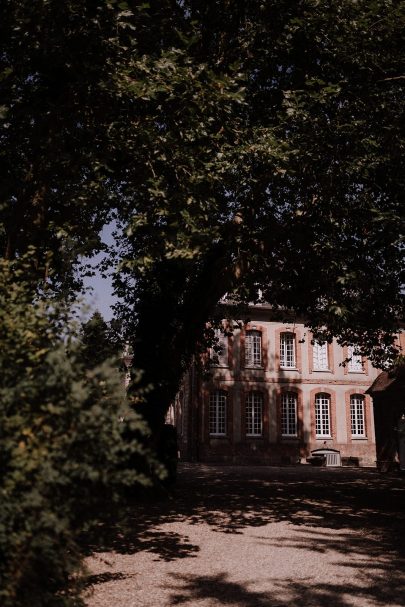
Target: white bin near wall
332	456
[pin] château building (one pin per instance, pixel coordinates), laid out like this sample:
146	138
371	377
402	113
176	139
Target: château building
273	395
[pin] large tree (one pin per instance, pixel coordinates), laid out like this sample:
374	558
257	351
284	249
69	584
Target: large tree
241	146
58	100
269	146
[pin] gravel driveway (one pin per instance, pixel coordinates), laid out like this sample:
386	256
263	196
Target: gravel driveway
258	537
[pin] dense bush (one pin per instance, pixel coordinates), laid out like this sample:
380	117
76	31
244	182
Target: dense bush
62	450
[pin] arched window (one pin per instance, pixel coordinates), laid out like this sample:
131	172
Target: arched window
217	413
253	349
254	414
289	414
322	415
357	421
287	351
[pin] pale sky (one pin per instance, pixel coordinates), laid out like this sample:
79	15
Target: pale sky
101	297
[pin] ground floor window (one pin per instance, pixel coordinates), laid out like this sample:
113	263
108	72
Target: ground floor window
254	414
217	417
322	415
289	414
357	415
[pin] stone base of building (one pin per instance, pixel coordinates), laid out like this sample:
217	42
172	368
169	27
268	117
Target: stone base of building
258	453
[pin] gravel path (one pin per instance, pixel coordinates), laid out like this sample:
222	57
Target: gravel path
258	537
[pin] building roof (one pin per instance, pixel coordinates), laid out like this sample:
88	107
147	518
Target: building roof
381	383
387	381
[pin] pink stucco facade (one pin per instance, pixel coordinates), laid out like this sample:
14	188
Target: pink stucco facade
276	406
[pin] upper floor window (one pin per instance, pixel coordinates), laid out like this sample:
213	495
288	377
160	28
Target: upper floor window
219	353
355	363
287	351
289	414
322	415
320	356
217	413
254	414
253	349
357	422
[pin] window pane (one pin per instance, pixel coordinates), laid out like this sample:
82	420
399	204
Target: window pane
289	414
254	414
217	414
355	362
253	349
320	356
219	358
357	415
322	415
287	350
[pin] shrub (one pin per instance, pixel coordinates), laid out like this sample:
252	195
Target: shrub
63	452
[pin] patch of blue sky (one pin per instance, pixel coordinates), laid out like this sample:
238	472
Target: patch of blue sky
99	290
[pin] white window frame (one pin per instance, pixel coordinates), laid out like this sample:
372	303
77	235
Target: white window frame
287	350
253	348
289	402
322	415
357	416
254	414
218	413
320	356
355	364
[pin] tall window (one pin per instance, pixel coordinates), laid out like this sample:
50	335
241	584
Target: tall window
322	415
289	414
357	415
253	349
254	414
219	355
355	362
217	418
320	356
287	351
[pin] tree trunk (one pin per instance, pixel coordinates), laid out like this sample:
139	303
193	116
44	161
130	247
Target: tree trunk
170	329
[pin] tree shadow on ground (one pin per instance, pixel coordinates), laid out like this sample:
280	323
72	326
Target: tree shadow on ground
103	578
358	514
236	498
128	536
219	589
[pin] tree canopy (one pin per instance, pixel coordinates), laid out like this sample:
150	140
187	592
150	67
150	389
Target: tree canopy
99	342
56	64
270	147
241	146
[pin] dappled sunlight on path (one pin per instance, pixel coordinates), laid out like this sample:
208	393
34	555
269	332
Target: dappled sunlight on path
257	536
